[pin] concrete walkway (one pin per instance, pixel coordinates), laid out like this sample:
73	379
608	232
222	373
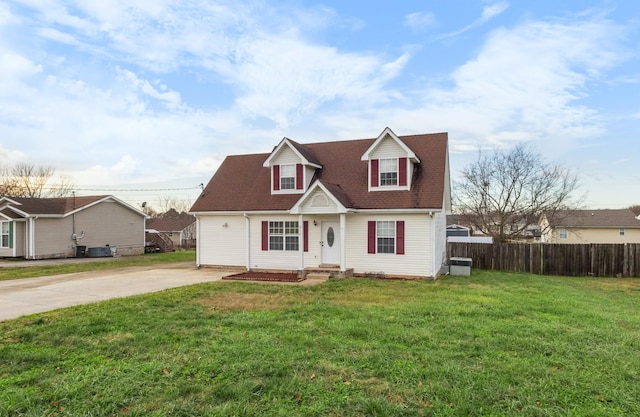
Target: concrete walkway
34	295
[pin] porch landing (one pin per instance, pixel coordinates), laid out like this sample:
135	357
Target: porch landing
330	270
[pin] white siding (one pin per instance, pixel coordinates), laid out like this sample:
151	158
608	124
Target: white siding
309	172
440	240
219	245
286	156
315	205
388	148
286	260
226	246
416	261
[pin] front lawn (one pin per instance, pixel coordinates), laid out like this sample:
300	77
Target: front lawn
30	269
494	344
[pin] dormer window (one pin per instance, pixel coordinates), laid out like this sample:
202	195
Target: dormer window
288	177
388	171
391	163
389	174
292	167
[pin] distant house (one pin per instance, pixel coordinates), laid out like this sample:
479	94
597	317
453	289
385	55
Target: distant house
591	226
458	230
39	228
180	228
359	206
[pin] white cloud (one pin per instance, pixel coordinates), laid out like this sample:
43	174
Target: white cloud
419	21
284	78
492	10
525	84
488	12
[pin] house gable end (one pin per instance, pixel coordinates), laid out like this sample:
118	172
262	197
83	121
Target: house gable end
390	163
292	167
319	199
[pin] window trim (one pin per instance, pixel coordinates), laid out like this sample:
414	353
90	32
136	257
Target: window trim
621	231
563	233
382	228
6	233
290	179
286	238
378	171
398	237
385	170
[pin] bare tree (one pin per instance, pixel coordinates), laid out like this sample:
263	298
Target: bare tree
168	203
636	209
503	194
29	180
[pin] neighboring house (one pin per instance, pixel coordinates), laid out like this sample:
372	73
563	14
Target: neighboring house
180	228
374	206
458	233
518	230
458	230
38	228
591	226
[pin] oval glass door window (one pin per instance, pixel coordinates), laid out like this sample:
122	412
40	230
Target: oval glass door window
330	236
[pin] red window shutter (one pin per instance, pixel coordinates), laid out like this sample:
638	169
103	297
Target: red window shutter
374	172
305	235
402	172
276	177
371	237
265	235
400	237
299	177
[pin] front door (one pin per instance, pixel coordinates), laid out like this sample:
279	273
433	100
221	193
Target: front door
330	243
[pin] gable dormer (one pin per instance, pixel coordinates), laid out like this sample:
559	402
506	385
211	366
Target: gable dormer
292	167
390	162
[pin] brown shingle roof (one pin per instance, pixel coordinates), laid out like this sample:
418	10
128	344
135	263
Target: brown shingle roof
306	152
171	224
242	184
623	218
53	206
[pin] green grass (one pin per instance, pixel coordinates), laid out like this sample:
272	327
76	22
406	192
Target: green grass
495	344
17	272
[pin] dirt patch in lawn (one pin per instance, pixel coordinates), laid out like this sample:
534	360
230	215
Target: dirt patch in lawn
236	301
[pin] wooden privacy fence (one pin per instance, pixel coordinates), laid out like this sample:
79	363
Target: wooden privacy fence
600	260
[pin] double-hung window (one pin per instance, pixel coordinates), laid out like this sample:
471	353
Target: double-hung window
284	236
388	171
621	231
288	177
563	233
386	237
5	235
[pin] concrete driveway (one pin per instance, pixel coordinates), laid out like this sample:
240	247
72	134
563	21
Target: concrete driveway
34	295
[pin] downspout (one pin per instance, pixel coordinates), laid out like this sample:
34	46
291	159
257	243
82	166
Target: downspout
198	242
248	239
343	242
32	237
301	241
433	246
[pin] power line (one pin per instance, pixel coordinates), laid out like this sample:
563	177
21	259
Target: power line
198	187
138	190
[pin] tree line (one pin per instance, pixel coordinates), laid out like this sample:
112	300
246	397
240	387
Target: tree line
503	194
33	181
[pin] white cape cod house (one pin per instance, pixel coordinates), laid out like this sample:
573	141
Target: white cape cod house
371	207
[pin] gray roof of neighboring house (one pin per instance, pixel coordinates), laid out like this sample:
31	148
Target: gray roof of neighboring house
171	224
608	218
59	206
53	206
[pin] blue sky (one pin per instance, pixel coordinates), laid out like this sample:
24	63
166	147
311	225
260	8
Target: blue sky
152	95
